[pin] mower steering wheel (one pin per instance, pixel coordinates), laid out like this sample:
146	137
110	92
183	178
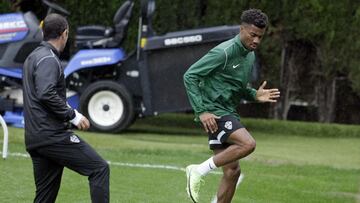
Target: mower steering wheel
56	7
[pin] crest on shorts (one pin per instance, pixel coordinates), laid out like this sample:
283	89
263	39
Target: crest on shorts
228	125
74	139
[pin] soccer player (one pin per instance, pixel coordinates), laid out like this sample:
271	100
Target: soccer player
48	137
215	85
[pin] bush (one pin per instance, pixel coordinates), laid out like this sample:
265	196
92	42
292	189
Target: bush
297	128
184	123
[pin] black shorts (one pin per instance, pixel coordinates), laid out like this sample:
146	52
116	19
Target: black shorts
226	125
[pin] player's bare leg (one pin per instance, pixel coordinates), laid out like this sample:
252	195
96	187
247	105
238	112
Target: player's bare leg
227	187
243	144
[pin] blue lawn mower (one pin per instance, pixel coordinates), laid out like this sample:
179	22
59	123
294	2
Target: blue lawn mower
20	34
110	87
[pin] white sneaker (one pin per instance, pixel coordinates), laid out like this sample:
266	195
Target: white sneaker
214	199
194	180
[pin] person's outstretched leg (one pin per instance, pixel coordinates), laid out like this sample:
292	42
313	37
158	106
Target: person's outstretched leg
89	163
227	187
242	144
99	184
75	154
235	143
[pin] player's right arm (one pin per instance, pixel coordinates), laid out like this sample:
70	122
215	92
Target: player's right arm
214	59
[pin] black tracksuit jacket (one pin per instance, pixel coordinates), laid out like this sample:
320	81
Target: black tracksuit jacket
46	112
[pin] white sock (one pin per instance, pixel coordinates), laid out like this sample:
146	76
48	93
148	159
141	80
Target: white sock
206	166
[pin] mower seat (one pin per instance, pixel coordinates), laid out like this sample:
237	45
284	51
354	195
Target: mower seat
87	35
95	36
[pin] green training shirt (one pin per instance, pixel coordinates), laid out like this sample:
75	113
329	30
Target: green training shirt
218	81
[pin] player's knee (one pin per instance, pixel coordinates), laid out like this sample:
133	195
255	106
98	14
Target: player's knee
100	173
246	147
250	145
103	168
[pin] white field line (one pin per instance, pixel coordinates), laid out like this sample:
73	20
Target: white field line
134	165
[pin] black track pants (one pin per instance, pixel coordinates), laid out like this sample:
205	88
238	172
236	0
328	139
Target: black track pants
75	154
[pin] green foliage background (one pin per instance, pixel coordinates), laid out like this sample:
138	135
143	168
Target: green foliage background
331	28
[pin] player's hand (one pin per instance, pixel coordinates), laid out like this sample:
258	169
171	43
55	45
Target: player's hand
209	122
84	124
267	95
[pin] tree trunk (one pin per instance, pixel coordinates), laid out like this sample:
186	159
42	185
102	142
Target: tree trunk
278	110
288	74
326	99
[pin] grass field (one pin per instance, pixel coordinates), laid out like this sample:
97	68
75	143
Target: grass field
147	163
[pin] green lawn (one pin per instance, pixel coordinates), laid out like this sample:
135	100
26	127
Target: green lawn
283	168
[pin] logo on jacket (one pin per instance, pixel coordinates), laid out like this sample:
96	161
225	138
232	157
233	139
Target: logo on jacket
228	125
235	66
74	139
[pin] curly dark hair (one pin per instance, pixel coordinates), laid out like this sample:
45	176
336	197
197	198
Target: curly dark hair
255	17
